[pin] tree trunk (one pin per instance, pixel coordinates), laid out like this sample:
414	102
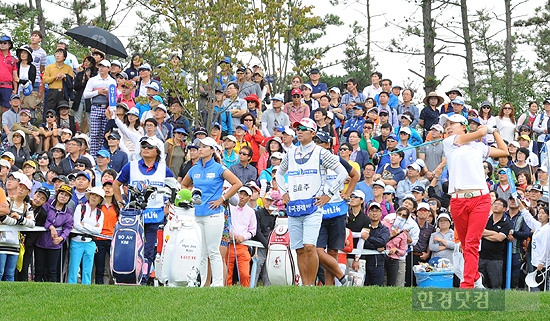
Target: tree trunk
103	15
368	33
508	53
469	52
430	82
41	20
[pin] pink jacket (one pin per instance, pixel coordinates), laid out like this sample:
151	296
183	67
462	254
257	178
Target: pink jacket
400	242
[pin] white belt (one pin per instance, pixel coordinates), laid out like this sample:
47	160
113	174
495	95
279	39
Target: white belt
469	194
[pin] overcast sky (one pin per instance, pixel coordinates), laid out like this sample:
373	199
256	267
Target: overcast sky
392	65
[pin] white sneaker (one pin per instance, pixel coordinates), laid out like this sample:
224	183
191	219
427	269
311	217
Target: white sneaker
348	281
479	283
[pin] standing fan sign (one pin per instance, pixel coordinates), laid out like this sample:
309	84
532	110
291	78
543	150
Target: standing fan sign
112	98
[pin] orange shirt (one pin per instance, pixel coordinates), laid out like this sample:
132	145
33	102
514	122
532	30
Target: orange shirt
109	222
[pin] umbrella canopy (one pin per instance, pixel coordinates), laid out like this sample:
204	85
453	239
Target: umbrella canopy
98	38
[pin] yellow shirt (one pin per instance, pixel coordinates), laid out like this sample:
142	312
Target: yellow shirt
356	167
52	71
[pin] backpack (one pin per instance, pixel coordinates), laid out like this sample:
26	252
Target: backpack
128	263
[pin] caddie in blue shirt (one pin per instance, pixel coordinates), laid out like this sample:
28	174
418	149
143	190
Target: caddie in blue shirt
151	172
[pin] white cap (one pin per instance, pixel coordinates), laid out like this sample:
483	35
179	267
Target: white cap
420	163
330	114
246	189
423	205
335	89
67	131
278	97
543	168
105	63
442	215
161	106
438	128
379	183
116	63
389	190
406	130
153	85
307	122
514	143
209	141
231	138
454	118
415	166
8	154
5	163
405	116
84	137
277	155
153	141
289	131
98	190
359	193
25	181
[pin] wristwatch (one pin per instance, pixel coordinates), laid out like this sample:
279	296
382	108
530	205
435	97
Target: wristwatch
356	259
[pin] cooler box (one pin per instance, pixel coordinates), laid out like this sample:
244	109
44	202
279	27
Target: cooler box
434	279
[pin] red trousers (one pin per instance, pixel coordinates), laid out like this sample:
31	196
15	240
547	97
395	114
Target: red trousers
470	216
243	261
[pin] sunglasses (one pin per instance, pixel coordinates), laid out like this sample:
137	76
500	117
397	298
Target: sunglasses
296	96
485	107
502	173
140	70
391	141
432	203
244	154
344	149
79	165
43	157
403	215
4	43
302	128
147	145
111	138
367	127
249	119
507	108
50	116
125	87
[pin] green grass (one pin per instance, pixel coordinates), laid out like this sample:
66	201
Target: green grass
34	301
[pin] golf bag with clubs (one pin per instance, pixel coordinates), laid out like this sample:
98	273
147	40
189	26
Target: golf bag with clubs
178	264
281	262
128	263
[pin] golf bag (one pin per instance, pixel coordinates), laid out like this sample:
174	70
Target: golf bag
178	264
281	262
128	263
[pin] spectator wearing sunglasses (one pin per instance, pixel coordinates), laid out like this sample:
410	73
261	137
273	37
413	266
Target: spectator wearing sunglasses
243	170
49	130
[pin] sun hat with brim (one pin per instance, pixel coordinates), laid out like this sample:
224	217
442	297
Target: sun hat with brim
26	48
440	99
63	104
18	132
454	118
97	190
133	111
454	89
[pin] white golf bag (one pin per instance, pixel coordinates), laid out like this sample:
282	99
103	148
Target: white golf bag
179	261
281	262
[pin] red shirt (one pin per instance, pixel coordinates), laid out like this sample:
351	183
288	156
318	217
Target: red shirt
7	65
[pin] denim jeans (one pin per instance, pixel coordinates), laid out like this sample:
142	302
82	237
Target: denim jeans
7	266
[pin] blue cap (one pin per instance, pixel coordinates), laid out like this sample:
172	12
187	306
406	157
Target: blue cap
323	136
243	127
104	153
226	60
5	38
82	173
15	96
216	124
458	100
280	128
181	130
192	146
158	98
475	120
392	136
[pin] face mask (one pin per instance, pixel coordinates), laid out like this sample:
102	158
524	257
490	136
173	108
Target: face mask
399	223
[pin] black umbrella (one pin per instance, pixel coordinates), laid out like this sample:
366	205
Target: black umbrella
98	38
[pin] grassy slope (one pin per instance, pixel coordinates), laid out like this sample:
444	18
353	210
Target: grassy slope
33	301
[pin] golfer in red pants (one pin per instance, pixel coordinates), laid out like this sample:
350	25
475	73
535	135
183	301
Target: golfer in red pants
470	199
